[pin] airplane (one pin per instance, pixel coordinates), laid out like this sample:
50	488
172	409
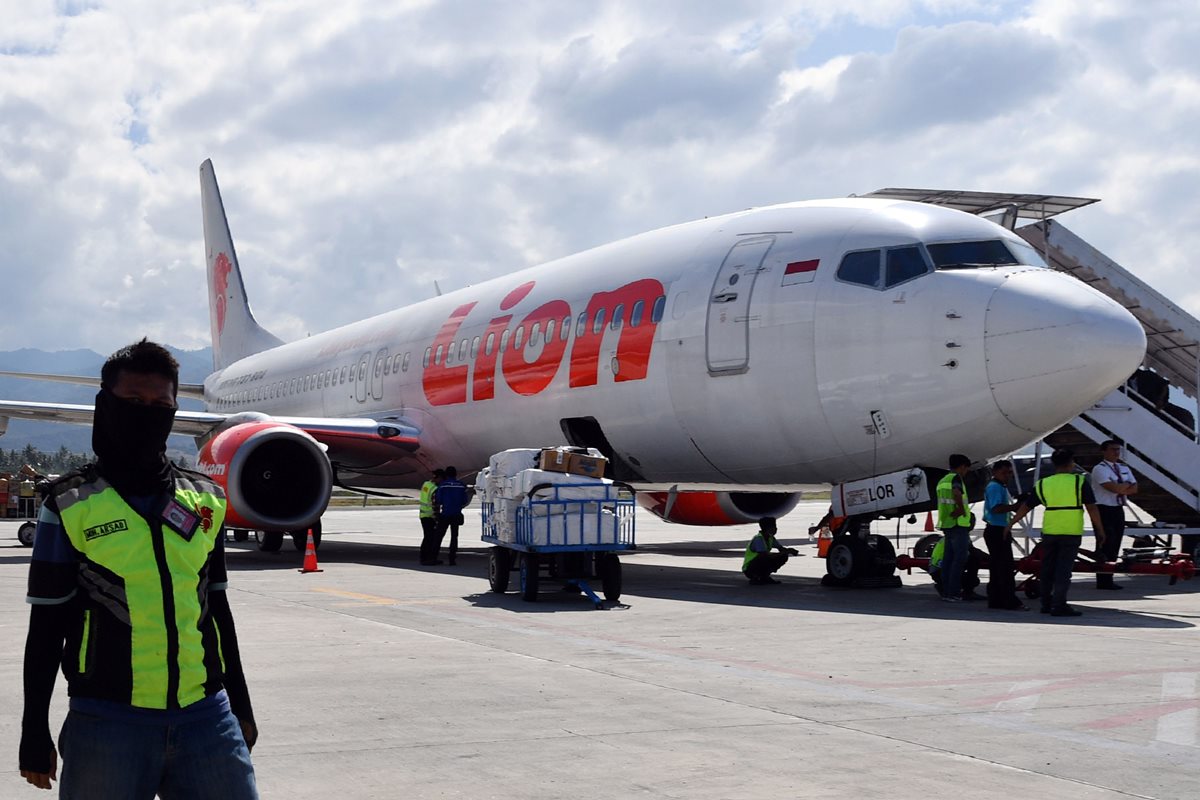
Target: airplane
721	365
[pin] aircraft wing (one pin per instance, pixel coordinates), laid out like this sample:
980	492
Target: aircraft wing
192	390
353	441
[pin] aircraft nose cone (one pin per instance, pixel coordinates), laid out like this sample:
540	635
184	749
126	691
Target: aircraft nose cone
1055	346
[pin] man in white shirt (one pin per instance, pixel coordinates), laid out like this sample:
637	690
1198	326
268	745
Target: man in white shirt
1113	482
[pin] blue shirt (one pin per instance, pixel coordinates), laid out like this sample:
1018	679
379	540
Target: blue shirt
450	497
996	494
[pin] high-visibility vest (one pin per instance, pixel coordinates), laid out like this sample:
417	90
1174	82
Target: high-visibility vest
945	499
751	554
1062	495
426	503
146	637
938	553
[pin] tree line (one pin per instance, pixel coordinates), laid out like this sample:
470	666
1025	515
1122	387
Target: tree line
56	463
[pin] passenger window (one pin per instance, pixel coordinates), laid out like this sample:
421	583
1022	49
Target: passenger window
564	332
437	356
462	350
533	333
860	268
618	316
425	360
549	330
519	337
581	326
656	313
404	363
904	264
635	313
475	347
489	344
504	339
379	366
450	354
598	323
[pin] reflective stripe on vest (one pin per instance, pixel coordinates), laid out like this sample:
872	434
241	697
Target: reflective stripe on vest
1062	495
426	503
158	587
945	499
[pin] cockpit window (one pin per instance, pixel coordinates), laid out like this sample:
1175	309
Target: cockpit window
904	264
1026	254
971	255
861	268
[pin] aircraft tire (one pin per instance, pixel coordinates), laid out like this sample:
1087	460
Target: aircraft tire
269	541
25	533
499	567
880	556
610	577
529	577
924	546
840	563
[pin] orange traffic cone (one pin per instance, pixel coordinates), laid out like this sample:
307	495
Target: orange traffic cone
310	555
929	522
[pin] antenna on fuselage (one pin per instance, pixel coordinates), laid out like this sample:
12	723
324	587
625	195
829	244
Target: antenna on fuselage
437	288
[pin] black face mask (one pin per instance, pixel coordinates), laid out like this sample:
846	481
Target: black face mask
130	440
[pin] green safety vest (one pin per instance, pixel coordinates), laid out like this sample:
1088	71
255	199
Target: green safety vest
147	638
1062	495
938	553
751	553
945	500
426	502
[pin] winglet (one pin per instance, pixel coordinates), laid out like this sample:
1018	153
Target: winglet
235	333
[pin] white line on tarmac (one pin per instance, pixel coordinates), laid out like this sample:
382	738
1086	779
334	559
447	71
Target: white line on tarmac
1179	727
1024	702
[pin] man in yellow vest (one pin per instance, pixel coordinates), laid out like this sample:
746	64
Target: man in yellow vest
955	523
1065	494
127	592
759	563
429	520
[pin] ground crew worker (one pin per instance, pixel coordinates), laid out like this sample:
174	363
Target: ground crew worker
1114	483
127	586
955	523
759	563
449	500
998	506
1065	494
970	573
428	517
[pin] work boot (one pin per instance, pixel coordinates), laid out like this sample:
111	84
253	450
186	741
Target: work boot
1066	611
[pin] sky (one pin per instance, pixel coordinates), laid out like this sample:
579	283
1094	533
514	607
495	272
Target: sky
367	149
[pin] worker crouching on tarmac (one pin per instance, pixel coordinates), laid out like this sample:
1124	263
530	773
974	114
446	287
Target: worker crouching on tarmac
760	563
970	573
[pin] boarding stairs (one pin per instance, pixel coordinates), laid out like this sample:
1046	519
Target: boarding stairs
1159	433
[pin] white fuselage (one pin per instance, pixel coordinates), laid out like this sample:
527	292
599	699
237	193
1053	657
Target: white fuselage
752	364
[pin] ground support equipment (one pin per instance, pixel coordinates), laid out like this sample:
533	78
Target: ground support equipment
570	540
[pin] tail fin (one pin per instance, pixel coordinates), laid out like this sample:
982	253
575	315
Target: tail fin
235	334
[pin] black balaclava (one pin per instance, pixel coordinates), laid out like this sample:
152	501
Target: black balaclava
130	440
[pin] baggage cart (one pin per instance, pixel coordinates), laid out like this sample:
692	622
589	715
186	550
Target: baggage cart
571	533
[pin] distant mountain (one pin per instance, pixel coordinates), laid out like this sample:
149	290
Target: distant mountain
194	367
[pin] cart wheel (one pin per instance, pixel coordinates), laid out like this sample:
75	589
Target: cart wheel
1032	589
529	577
610	577
25	533
269	541
499	565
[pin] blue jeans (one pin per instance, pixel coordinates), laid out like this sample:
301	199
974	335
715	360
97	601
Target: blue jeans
196	757
954	560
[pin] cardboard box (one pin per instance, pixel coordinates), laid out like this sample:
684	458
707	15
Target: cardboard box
583	464
555	460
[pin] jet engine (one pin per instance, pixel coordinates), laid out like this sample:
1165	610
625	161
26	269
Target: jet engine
717	508
275	475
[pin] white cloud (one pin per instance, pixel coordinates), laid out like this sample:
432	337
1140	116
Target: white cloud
366	150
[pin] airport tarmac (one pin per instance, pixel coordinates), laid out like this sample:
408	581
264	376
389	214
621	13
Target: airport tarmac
379	678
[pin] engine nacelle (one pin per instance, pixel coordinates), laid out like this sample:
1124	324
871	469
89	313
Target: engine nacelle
718	508
275	476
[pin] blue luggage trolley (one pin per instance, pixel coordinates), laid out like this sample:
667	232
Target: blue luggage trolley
571	538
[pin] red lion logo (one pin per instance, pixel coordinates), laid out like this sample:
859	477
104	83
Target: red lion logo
206	518
221	269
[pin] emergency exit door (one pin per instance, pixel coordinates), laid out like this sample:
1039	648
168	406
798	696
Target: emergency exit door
727	330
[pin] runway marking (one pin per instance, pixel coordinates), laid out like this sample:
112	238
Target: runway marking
366	598
1023	696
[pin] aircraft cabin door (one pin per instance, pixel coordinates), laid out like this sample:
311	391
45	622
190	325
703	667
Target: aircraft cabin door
727	329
